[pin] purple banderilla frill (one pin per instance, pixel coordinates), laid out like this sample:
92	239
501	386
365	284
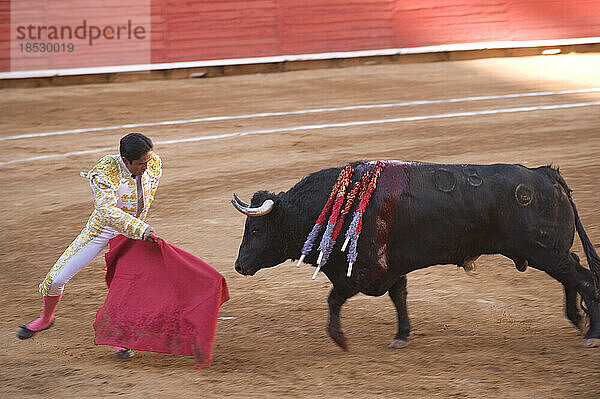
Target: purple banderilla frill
355	227
312	236
328	241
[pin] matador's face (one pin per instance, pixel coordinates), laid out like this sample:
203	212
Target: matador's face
138	167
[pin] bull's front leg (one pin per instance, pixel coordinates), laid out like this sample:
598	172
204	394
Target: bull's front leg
336	299
398	294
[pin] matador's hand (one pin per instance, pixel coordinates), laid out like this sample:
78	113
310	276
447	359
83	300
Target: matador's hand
149	235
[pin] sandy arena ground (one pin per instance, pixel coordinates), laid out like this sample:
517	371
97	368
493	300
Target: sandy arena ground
501	334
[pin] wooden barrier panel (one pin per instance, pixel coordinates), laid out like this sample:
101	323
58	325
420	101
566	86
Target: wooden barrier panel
423	22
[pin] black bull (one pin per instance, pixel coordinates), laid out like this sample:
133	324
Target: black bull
445	214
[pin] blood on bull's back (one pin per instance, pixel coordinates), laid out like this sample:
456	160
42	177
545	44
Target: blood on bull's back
449	213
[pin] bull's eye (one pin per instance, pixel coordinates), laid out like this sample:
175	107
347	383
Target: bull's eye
255	230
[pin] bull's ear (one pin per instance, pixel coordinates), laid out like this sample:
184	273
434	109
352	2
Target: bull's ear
278	204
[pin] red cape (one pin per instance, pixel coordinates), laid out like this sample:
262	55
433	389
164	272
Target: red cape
160	299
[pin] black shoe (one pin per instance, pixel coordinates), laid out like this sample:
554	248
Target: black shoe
125	354
26	333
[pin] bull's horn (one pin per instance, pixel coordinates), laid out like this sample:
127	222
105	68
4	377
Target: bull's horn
247	210
239	201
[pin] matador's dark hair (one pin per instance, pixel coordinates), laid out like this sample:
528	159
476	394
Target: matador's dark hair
135	145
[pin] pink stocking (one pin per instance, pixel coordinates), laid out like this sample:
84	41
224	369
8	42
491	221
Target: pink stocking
47	314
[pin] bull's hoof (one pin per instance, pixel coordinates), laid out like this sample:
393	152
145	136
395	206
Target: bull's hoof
583	324
398	343
338	337
590	342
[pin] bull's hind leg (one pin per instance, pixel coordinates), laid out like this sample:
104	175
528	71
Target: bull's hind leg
571	308
571	298
337	297
574	277
398	294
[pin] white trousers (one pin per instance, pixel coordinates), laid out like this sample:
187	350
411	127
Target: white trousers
88	244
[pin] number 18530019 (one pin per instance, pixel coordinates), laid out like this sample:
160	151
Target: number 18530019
47	47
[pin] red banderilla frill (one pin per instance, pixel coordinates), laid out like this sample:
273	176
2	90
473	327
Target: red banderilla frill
327	241
310	240
355	227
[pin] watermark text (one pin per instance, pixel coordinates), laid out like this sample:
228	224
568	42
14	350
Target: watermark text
82	32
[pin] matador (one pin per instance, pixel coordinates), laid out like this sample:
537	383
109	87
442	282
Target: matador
123	187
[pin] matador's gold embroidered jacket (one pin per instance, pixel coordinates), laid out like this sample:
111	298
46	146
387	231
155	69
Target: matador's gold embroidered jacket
115	195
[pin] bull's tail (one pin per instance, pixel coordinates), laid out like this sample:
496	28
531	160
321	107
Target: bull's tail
588	248
590	253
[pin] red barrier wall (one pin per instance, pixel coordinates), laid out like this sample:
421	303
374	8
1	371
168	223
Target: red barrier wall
194	30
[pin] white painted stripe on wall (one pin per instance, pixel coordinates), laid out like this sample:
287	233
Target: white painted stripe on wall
300	112
324	126
45	73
